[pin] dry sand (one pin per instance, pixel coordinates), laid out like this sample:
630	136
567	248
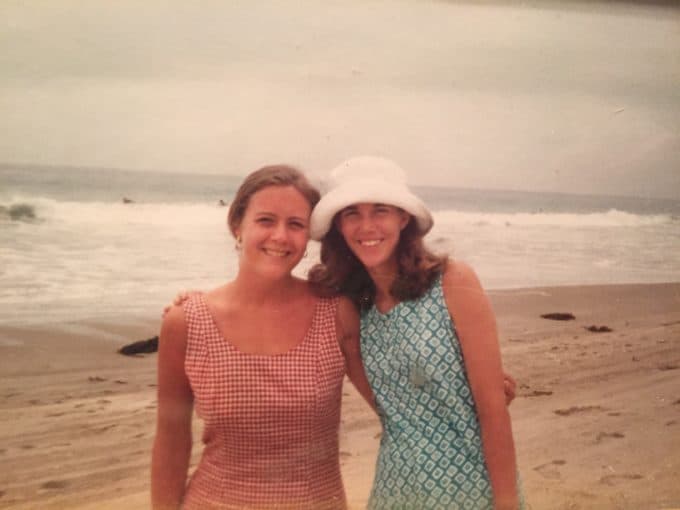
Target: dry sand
596	420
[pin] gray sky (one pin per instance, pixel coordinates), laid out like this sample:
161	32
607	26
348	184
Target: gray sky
574	98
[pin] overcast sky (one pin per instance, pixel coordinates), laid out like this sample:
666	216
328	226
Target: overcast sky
571	98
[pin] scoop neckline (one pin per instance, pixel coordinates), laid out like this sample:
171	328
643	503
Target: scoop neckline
391	311
303	341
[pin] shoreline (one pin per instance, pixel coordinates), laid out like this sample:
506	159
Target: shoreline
596	420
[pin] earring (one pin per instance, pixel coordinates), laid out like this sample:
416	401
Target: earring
237	245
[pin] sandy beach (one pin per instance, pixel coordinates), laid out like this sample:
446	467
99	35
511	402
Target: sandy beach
596	420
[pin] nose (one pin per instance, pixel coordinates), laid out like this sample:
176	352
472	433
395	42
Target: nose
280	232
366	222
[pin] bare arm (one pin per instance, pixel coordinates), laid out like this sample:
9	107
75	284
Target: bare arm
476	327
347	327
172	445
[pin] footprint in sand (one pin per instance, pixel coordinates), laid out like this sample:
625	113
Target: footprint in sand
99	430
576	409
539	393
549	471
616	479
55	484
606	435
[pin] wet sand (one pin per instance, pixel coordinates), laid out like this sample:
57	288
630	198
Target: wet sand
596	420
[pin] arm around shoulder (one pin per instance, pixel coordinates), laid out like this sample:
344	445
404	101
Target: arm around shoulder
348	331
172	444
475	323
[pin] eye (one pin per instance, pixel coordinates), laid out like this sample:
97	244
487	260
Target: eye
346	213
264	220
297	225
383	209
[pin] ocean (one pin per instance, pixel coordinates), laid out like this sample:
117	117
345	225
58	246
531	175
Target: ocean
72	249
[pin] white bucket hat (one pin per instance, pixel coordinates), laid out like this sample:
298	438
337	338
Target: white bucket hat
366	179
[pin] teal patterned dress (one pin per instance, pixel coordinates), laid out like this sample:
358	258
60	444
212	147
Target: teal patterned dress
431	449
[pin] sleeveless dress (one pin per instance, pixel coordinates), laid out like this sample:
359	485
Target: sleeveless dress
270	421
430	453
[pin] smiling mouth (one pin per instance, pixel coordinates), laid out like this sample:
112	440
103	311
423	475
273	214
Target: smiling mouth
370	242
275	253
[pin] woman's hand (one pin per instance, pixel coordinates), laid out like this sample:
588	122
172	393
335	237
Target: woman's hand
510	388
180	298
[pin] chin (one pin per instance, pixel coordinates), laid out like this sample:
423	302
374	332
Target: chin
371	263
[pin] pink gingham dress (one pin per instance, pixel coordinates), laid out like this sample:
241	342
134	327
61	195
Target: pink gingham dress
271	421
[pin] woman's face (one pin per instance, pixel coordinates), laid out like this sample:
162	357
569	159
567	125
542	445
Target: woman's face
274	231
372	232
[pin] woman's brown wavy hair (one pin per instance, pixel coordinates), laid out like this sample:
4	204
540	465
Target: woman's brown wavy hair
341	272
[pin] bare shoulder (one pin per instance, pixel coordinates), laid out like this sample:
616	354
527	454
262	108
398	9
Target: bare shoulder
459	277
173	330
218	293
465	298
174	321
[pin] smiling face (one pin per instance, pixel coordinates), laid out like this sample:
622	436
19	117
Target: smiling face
274	231
372	232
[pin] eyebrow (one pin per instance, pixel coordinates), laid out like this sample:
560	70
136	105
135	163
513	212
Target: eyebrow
269	213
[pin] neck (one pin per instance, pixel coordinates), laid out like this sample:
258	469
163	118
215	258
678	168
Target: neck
383	277
256	290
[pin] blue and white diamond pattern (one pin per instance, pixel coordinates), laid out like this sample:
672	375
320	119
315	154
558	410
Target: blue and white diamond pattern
430	454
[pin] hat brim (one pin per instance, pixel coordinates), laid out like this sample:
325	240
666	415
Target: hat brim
368	191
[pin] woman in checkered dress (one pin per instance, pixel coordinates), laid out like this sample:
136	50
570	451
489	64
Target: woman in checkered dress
439	389
262	360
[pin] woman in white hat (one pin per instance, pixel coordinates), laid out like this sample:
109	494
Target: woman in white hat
428	342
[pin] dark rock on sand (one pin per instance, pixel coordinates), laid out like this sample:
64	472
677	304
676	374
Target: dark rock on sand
599	329
559	316
140	347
